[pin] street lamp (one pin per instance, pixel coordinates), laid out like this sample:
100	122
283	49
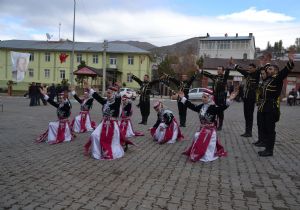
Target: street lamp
105	46
73	46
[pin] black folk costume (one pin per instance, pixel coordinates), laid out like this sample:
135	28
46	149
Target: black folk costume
249	96
105	141
61	130
145	91
82	122
166	129
185	87
269	107
125	121
219	92
206	145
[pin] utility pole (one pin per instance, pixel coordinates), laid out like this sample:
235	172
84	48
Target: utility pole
73	46
105	46
59	31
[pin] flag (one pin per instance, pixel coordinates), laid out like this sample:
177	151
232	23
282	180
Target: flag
19	62
63	57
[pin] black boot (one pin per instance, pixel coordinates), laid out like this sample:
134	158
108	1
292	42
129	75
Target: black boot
265	153
142	122
145	120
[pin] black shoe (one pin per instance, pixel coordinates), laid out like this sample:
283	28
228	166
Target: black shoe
265	153
144	123
141	122
257	142
260	144
126	147
246	135
182	126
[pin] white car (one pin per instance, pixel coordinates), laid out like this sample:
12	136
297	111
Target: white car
196	93
128	90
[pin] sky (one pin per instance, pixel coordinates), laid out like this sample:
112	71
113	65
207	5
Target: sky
159	22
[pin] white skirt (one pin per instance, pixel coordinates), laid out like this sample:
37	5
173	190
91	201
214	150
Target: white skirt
53	130
88	124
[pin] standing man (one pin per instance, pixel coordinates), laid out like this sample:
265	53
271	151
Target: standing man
145	91
269	107
183	86
219	87
252	79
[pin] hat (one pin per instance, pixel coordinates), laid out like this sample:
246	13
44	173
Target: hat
156	104
207	91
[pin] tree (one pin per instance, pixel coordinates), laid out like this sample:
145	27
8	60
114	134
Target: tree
81	65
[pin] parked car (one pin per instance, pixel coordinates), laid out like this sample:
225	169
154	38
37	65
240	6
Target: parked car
128	90
196	93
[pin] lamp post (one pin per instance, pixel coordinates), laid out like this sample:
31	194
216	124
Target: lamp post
105	46
73	46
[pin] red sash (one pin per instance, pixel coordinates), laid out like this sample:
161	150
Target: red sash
60	137
106	138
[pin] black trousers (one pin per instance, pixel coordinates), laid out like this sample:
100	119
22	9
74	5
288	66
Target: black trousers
145	109
269	120
259	121
220	100
249	105
182	109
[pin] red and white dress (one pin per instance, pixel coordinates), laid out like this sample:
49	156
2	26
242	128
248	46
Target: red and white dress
61	130
166	129
125	122
105	141
206	144
82	122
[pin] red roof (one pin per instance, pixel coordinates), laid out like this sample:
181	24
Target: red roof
85	71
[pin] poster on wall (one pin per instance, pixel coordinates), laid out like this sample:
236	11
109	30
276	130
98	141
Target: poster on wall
19	62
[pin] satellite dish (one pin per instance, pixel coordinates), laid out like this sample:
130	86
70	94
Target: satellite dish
48	36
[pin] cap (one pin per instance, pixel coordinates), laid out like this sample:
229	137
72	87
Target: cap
207	91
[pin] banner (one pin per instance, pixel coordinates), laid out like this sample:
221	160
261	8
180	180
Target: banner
19	63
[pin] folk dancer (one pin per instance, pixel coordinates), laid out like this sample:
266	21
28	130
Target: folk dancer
82	122
219	89
251	75
270	104
166	129
145	91
206	145
61	130
184	86
105	141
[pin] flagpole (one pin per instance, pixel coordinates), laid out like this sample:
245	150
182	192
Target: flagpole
73	46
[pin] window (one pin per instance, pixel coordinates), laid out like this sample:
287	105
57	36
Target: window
79	57
129	78
47	57
31	73
31	58
47	73
193	91
130	60
62	74
112	61
95	58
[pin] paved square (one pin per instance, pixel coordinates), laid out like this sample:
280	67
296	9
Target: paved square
150	176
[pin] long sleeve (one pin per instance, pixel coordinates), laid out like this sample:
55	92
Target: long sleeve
157	122
189	83
285	71
209	75
76	97
137	80
175	81
53	103
241	70
190	105
226	75
97	97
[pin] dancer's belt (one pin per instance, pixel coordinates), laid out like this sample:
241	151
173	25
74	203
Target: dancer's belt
110	118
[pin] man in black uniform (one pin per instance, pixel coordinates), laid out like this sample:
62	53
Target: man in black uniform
219	88
249	97
183	86
269	106
145	91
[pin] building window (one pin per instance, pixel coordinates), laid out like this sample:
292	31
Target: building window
31	73
245	56
31	58
95	58
62	74
130	60
47	57
79	57
47	73
112	61
129	77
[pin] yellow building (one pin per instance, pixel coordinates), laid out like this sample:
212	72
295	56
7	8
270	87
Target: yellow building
46	64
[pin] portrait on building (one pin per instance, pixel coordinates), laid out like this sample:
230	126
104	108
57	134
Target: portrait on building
20	63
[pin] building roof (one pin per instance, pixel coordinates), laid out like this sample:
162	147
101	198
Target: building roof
91	71
224	38
67	46
213	63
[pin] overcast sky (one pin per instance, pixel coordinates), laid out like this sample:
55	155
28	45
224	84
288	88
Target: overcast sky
160	22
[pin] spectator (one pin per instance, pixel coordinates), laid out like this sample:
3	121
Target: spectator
292	97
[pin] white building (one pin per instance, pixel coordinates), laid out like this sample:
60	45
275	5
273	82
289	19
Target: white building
237	47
